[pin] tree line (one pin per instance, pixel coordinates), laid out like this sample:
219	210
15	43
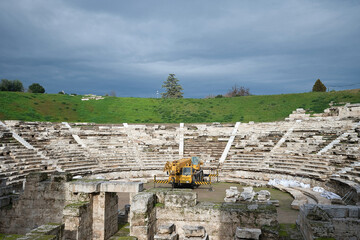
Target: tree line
17	86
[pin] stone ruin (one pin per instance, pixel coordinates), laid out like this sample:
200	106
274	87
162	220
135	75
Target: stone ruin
319	150
176	214
248	194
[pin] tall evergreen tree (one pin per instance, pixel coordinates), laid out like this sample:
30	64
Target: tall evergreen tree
319	86
173	88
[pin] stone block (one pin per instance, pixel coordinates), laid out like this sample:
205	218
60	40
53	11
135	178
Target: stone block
181	199
4	201
166	229
247	233
75	209
84	187
36	177
142	202
230	193
230	199
336	212
61	177
194	231
206	237
248	194
264	196
117	186
173	236
275	203
354	212
141	232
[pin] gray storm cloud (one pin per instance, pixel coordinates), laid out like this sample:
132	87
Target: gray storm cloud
131	46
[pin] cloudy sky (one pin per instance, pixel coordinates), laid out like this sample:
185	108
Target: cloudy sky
130	47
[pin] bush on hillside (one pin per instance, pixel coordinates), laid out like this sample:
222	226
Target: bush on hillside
36	88
236	91
319	86
11	85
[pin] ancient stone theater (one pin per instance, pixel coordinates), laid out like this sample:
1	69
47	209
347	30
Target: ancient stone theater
96	181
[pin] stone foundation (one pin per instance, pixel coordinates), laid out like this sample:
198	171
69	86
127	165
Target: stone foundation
329	221
42	202
150	210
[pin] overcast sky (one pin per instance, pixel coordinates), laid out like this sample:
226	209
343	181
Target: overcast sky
130	47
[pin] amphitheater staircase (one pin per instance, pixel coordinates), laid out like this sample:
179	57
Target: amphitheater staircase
16	160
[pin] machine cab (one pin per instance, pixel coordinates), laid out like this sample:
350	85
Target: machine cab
186	171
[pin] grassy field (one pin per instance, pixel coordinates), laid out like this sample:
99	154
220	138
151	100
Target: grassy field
57	108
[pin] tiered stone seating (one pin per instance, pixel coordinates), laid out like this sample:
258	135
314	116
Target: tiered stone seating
206	141
108	144
288	147
161	145
258	137
309	137
56	142
348	146
16	160
247	162
310	166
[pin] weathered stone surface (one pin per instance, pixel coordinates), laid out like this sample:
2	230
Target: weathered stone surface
247	233
230	200
4	201
331	221
172	236
263	196
248	194
180	199
166	229
142	202
194	231
117	186
41	202
206	237
84	187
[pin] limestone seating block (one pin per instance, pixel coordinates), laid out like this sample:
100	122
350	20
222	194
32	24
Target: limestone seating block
166	229
117	186
194	231
247	233
84	187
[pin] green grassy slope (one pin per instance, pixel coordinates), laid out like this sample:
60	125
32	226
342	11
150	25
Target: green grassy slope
57	108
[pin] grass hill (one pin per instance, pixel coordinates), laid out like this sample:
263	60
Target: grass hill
57	107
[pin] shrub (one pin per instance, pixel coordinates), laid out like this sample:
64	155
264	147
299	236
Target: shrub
36	88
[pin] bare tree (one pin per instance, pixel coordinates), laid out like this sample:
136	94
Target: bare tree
236	91
113	93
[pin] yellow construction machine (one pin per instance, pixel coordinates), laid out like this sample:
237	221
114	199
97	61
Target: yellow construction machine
186	171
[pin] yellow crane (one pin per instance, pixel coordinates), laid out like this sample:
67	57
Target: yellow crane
186	171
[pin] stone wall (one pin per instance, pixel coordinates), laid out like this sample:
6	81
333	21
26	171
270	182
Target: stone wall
91	210
42	202
78	220
329	221
150	210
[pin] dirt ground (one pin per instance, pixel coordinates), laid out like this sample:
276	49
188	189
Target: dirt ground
285	213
